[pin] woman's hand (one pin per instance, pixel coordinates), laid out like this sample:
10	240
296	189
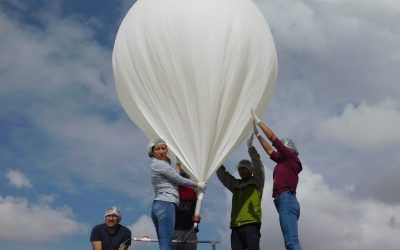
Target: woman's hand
201	186
250	141
256	118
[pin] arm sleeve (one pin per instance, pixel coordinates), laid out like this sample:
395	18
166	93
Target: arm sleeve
227	179
171	174
127	237
276	157
258	167
95	235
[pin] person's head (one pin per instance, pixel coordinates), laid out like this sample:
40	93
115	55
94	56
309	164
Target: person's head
158	149
245	169
290	145
112	217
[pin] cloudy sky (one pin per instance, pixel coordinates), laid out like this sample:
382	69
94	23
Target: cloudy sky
68	150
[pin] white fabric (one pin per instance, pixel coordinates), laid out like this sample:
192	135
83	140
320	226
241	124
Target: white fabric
190	71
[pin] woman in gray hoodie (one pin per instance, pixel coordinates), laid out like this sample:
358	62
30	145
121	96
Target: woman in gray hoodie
165	180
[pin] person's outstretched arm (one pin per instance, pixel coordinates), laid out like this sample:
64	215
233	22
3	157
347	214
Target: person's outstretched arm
226	178
258	168
96	245
267	131
171	174
268	148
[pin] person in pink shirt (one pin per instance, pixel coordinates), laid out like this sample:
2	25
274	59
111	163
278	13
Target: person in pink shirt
286	178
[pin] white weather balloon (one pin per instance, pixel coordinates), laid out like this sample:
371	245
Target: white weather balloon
190	71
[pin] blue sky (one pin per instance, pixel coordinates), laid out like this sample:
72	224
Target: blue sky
68	150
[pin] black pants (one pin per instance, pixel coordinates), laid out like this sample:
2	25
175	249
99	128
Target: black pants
246	237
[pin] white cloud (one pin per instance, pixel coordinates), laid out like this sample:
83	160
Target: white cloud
18	179
143	227
364	127
44	62
336	220
35	222
46	199
337	44
58	79
330	217
296	23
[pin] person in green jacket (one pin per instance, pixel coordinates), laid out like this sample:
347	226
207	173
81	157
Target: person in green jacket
246	200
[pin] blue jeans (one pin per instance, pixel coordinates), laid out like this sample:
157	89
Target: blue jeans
289	212
163	216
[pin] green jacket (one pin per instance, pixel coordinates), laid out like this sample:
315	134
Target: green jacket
247	194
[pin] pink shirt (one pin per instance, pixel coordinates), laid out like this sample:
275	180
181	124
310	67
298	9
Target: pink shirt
287	169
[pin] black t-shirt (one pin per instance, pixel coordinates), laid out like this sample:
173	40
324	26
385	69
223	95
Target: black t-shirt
184	215
111	241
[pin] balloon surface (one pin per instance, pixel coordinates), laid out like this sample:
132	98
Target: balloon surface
190	71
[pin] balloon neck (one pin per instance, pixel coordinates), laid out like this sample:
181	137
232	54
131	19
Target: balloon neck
200	195
196	216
